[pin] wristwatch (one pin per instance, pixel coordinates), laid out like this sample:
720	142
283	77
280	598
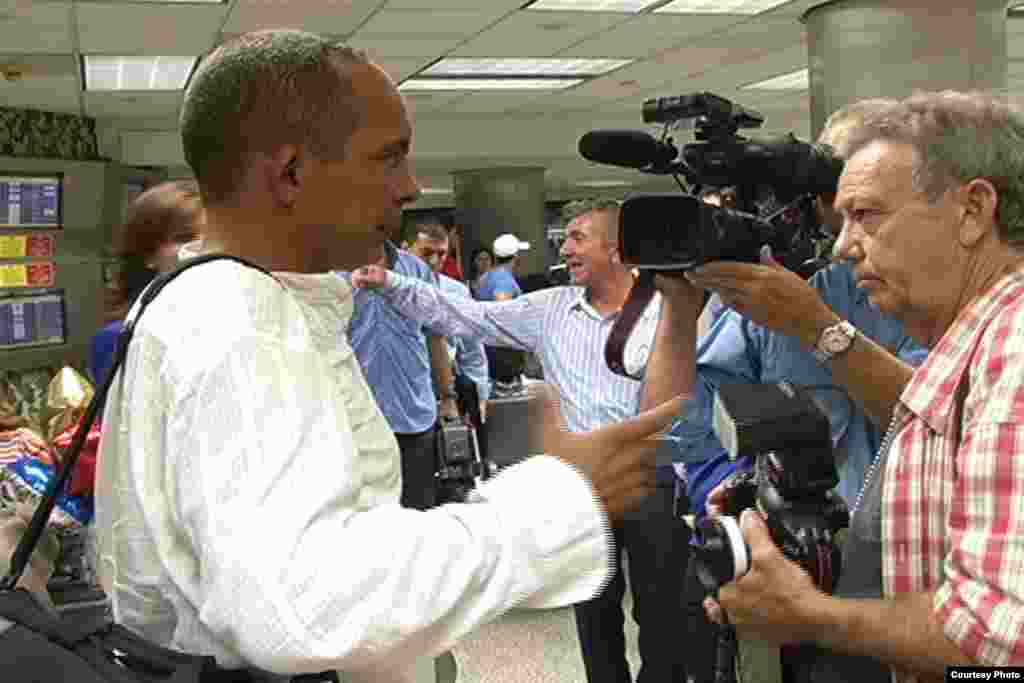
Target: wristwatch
834	340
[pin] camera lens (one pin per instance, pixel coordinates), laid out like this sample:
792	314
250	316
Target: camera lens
721	554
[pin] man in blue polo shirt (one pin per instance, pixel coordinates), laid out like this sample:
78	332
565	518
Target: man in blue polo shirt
398	356
500	284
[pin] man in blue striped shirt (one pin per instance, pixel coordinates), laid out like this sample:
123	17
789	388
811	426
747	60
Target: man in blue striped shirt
567	328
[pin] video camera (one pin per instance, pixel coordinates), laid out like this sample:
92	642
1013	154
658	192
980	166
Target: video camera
791	484
462	464
775	182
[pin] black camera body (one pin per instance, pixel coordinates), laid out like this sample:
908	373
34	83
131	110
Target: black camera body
790	484
460	465
775	183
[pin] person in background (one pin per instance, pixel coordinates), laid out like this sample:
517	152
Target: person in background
479	265
468	354
499	283
403	362
452	266
159	221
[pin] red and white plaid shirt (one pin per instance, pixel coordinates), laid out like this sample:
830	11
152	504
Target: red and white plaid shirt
953	494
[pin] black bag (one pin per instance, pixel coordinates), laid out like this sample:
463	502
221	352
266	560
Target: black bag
39	646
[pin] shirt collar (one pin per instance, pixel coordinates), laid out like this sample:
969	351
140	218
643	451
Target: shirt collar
931	393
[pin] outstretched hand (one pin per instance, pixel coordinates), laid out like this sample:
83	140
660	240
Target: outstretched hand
618	459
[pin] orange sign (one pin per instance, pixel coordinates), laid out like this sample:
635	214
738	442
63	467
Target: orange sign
41	274
39	246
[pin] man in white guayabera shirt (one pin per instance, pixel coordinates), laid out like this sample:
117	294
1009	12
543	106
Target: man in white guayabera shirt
248	494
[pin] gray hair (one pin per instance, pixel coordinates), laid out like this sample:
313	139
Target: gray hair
957	137
838	125
575	209
262	90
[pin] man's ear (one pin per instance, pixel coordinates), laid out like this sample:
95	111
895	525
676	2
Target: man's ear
979	202
284	173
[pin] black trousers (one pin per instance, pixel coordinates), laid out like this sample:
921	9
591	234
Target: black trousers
504	365
676	640
419	464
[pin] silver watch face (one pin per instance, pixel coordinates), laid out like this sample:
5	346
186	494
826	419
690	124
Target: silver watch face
835	341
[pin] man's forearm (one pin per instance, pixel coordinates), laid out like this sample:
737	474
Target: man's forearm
902	632
671	369
440	366
872	375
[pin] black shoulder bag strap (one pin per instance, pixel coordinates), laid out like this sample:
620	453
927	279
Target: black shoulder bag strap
27	545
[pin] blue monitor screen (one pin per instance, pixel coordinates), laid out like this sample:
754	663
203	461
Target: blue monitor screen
32	319
30	201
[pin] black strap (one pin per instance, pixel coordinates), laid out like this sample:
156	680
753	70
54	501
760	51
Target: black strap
639	298
27	545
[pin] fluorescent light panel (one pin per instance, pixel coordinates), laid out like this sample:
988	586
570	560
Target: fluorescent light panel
604	183
798	80
182	2
720	6
592	5
137	73
435	190
523	67
489	83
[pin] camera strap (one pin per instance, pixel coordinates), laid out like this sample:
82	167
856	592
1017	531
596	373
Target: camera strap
616	348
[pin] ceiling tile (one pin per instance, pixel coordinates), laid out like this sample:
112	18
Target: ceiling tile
421	102
35	27
434	22
400	68
488	103
405	46
484	5
337	17
649	34
148	29
132	105
46	92
539	34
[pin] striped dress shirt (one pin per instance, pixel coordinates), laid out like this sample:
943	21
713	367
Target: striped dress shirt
558	325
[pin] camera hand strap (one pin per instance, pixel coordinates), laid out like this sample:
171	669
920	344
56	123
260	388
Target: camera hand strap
27	545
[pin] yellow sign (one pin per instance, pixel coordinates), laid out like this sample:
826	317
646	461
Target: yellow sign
13	246
13	276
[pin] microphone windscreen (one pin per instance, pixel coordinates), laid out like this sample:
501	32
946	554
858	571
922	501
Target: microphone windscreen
629	148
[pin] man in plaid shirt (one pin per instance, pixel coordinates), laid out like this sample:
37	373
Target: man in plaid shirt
932	199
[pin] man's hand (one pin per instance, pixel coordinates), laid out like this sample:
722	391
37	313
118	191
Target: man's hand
449	409
483	411
370	277
770	602
680	292
618	459
769	295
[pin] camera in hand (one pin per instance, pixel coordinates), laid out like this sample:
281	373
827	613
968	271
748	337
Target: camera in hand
775	181
790	485
461	462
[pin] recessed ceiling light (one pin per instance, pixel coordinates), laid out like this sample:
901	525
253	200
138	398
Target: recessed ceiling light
592	5
523	67
435	190
489	83
603	183
720	6
182	2
137	73
798	80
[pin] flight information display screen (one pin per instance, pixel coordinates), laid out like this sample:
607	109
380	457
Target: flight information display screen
35	319
30	201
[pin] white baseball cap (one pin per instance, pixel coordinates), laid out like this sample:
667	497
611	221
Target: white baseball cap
508	245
